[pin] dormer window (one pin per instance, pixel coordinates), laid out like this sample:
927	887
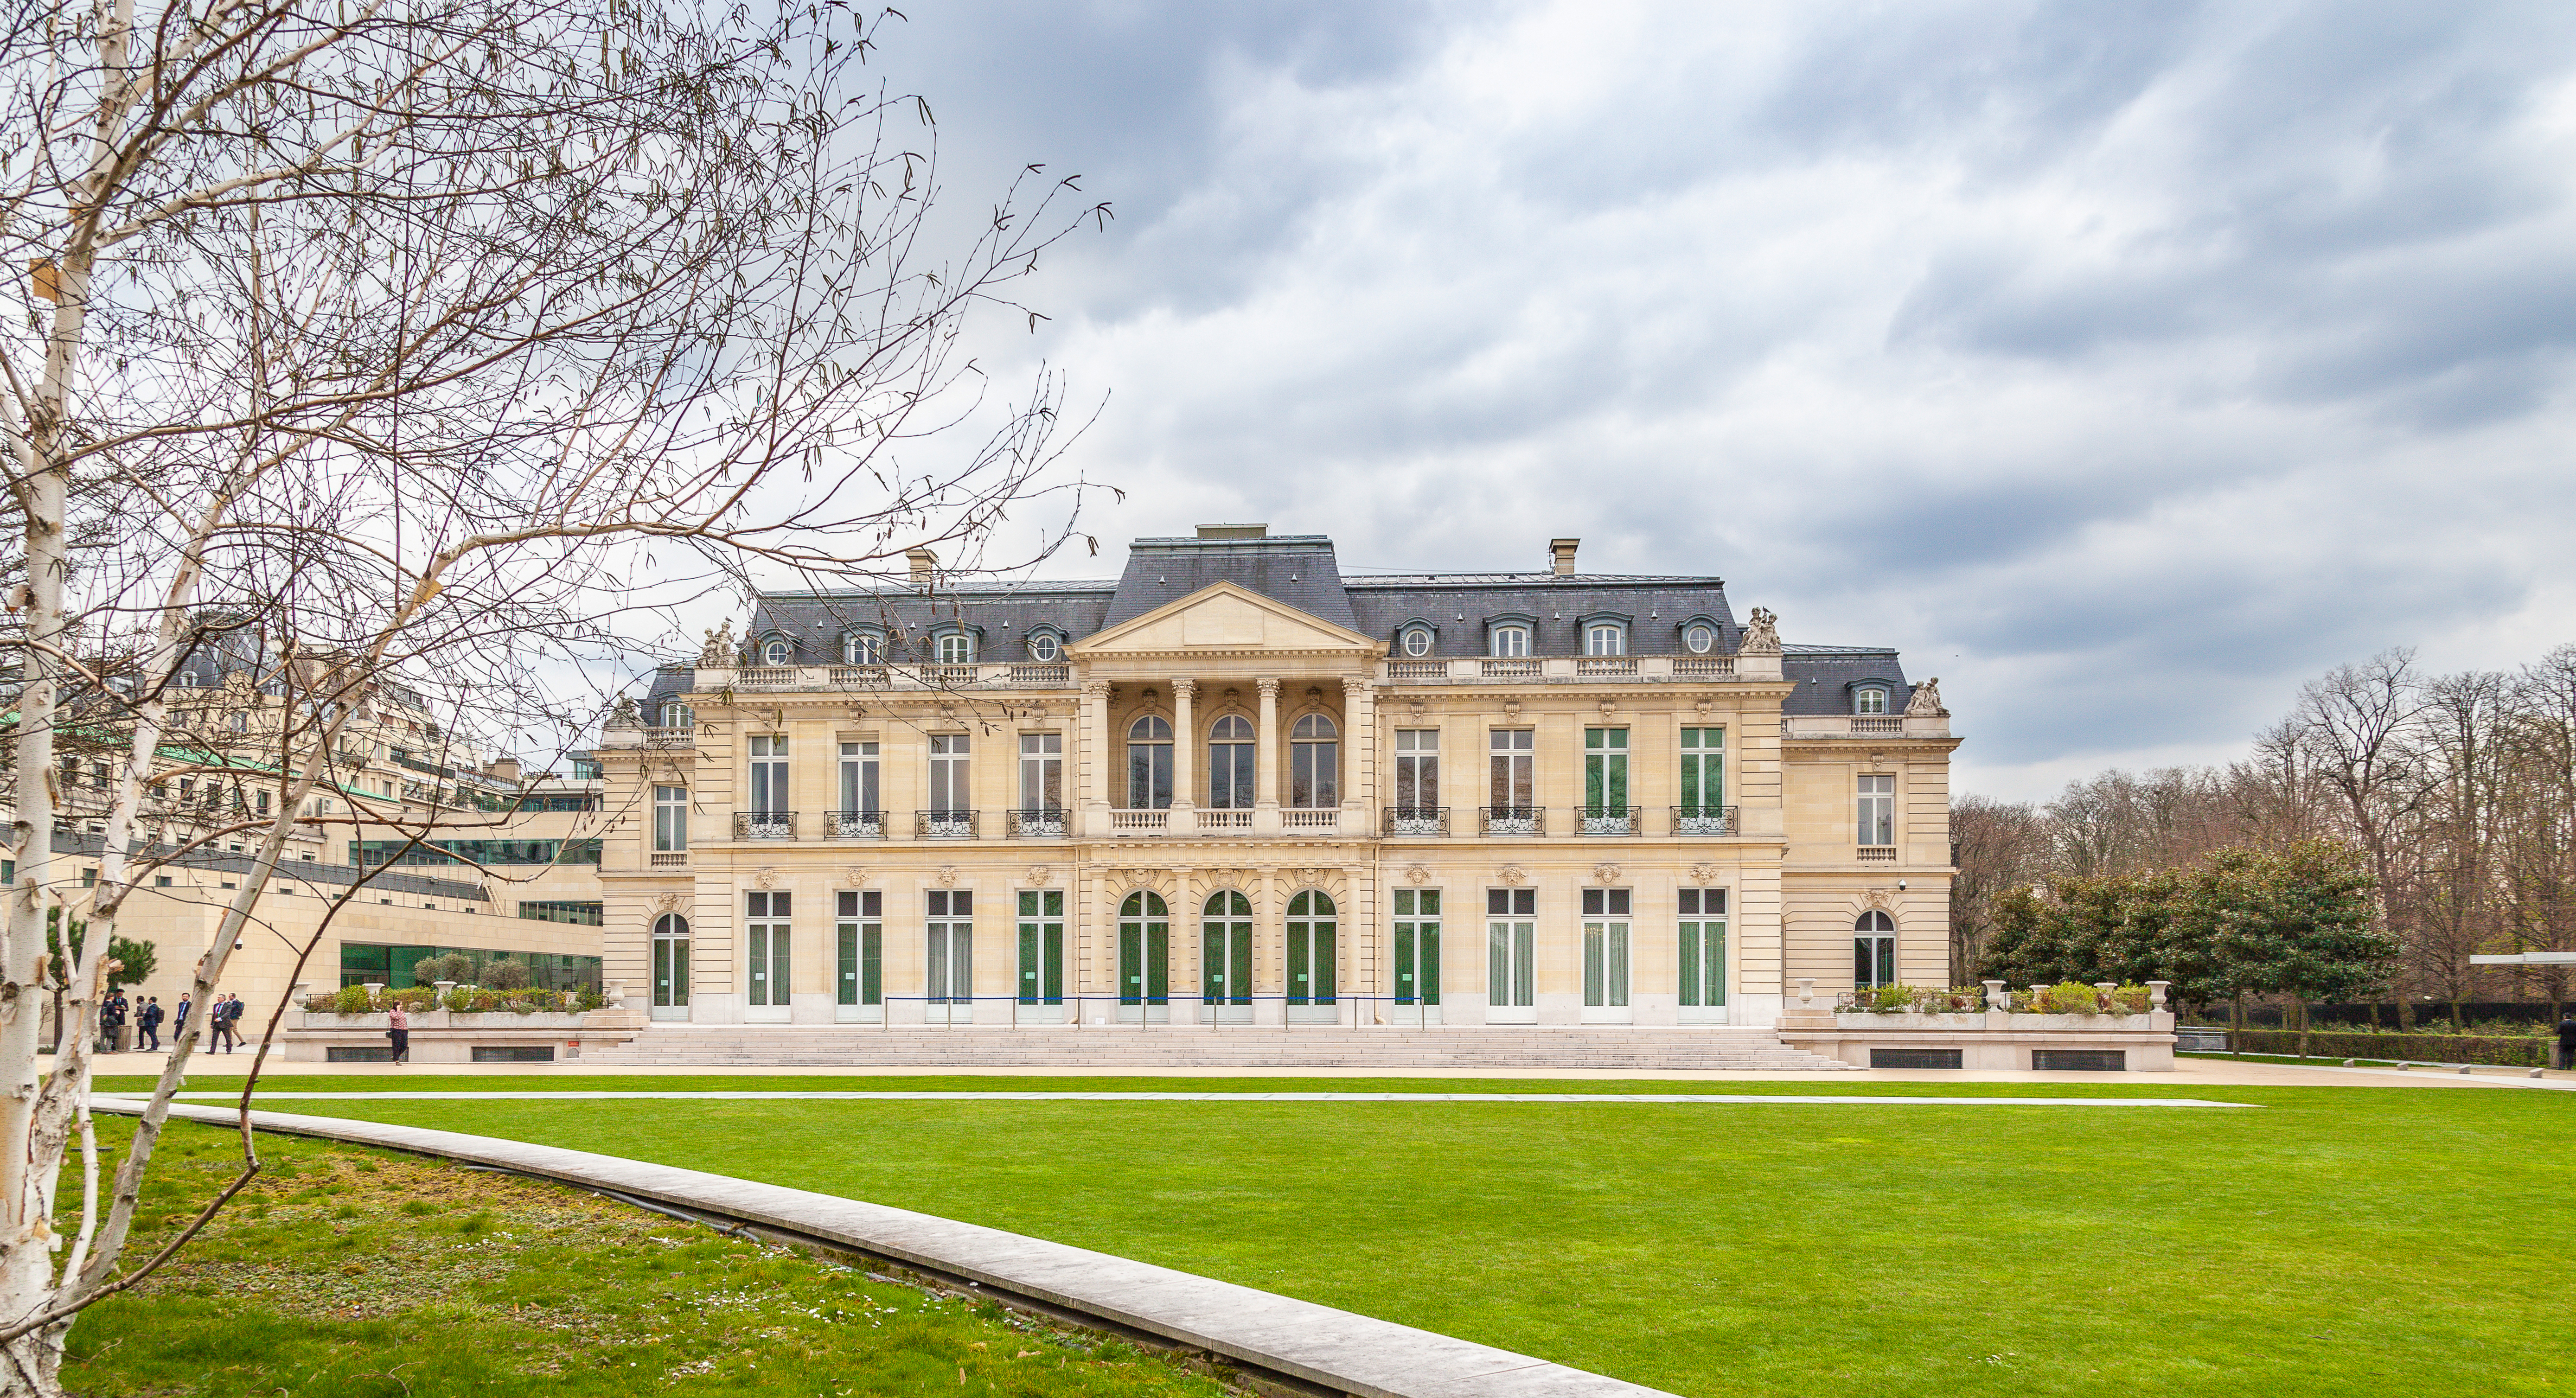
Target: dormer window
1044	647
1605	638
1699	637
673	714
1869	699
956	648
1417	640
776	651
859	648
1510	642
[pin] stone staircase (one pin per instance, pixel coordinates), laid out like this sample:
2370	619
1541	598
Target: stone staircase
1714	1049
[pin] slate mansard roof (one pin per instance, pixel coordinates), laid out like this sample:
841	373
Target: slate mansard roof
1301	571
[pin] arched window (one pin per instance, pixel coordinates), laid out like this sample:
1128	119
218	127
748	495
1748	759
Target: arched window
1149	764
1314	764
1225	951
670	962
1869	699
1231	763
1605	638
1044	648
1700	637
1417	640
674	714
776	651
1144	952
956	648
1511	642
859	648
1311	958
1873	950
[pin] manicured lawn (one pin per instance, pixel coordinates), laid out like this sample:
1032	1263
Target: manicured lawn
2355	1240
350	1273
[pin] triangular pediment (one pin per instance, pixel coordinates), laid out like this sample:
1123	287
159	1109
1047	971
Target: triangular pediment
1224	617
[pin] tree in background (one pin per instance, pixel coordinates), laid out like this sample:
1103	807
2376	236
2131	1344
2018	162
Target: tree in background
1997	846
2297	922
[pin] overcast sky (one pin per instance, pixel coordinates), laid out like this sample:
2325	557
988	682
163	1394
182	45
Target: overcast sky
2121	364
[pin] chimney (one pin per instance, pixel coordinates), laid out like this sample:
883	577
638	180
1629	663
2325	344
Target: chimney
922	561
1561	553
1234	531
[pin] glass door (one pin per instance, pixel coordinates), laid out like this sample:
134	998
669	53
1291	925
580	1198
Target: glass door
1225	950
858	978
766	979
1605	956
1144	960
670	967
1511	944
1311	962
951	989
1041	997
1703	956
1417	956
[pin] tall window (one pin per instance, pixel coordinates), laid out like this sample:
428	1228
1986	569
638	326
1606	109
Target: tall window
949	790
1511	642
1874	950
1314	764
769	773
956	648
1311	957
1042	946
1703	948
1511	935
1605	638
1231	763
1417	771
1605	947
1144	950
670	819
765	928
1417	946
860	649
1703	778
1514	785
860	932
1877	814
858	779
952	946
1605	773
776	651
670	962
1041	772
1872	700
1149	763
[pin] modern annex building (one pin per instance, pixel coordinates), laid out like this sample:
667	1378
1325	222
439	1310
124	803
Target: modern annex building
1234	786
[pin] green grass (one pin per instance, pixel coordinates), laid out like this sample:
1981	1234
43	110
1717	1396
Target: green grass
1793	1085
349	1273
2335	1240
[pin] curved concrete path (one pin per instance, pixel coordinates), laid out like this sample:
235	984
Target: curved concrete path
1334	1350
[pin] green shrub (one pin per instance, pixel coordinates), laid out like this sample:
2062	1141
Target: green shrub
2072	998
2518	1051
454	966
352	1000
503	973
589	998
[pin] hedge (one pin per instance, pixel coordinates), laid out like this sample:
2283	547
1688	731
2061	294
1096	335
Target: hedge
2530	1052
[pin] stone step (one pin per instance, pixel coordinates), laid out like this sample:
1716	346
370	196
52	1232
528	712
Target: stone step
1711	1048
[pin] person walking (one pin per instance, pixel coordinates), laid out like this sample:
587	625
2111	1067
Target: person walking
227	1009
179	1016
149	1021
2567	1040
400	1033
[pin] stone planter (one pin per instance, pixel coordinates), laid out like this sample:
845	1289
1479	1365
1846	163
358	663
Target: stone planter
1995	1039
1863	1019
458	1036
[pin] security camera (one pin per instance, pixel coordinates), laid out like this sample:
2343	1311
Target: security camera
1900	885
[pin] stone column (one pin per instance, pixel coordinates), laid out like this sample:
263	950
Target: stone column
1265	805
1359	775
1185	819
1093	763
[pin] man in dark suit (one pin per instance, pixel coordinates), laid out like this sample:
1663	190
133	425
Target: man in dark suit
148	1019
111	1020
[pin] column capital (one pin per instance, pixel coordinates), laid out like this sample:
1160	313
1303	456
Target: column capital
1269	688
1356	684
1183	689
1095	689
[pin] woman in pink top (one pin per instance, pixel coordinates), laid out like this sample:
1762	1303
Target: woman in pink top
400	1033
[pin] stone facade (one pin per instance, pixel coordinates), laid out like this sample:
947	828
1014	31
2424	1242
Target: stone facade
1538	793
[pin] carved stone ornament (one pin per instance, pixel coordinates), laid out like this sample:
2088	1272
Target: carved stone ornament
624	715
1609	707
1704	706
766	878
1605	873
947	876
1417	708
668	903
1926	702
1511	876
1417	875
1878	900
1703	873
1512	710
854	877
1039	874
1761	634
718	654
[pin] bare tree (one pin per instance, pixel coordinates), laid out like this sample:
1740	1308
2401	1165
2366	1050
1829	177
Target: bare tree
450	344
1996	846
2354	729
